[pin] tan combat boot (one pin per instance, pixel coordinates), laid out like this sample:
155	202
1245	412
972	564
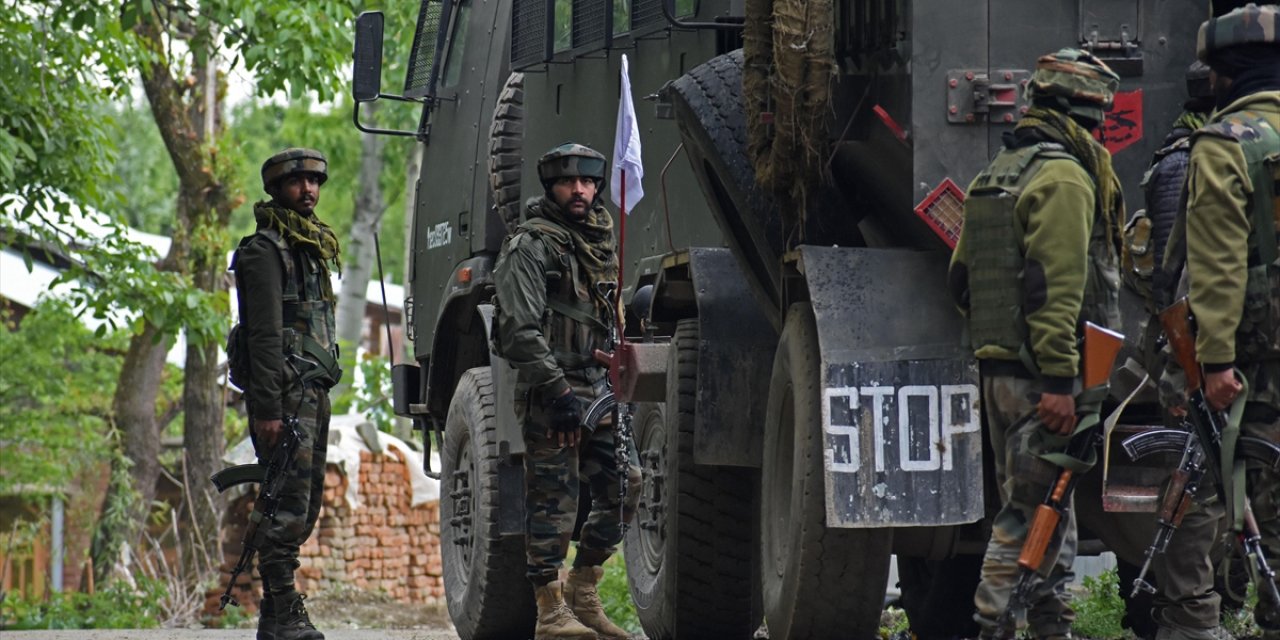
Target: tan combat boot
555	620
581	595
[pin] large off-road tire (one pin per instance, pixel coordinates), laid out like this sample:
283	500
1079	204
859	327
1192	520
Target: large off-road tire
938	595
689	551
817	582
506	143
487	593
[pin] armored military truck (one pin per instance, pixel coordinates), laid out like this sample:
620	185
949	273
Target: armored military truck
806	403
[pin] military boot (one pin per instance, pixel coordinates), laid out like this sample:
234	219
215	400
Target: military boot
583	598
292	621
1187	633
267	618
555	620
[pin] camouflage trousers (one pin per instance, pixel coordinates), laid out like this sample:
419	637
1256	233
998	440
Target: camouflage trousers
1184	573
1262	420
1009	419
301	496
552	480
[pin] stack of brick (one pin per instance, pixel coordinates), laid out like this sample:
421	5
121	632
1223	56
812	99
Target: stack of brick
382	544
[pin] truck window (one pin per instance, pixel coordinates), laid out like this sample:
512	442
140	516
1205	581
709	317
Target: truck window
621	16
563	25
457	44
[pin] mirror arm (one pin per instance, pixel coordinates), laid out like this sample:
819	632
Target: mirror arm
722	24
355	118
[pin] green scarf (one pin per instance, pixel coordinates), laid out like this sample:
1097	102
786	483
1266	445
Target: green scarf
1058	127
593	243
305	232
1190	120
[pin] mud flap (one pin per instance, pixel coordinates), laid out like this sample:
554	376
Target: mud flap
900	408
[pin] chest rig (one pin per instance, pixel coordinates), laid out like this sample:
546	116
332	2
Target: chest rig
994	238
310	343
572	322
1258	336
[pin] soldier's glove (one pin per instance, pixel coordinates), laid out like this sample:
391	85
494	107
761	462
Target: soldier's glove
566	413
1173	389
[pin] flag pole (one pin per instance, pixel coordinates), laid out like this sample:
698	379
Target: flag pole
622	252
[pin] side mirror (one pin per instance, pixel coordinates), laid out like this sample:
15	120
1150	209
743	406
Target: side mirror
366	84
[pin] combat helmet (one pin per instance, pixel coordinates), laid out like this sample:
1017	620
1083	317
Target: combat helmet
294	160
1247	25
1077	81
571	159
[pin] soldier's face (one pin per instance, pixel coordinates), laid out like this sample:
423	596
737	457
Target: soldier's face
574	195
300	192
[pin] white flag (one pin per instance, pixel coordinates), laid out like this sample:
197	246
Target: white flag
626	148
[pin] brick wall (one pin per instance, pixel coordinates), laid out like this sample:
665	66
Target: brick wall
382	544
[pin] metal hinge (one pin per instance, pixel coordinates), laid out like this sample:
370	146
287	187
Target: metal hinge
976	96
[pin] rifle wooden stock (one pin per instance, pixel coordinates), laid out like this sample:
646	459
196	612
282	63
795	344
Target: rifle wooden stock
1176	501
1176	320
1101	346
1044	524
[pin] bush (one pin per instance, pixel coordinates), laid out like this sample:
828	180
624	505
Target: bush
1099	607
119	606
616	596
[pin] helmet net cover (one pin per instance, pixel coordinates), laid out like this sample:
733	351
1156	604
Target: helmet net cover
1248	25
1076	80
571	160
291	161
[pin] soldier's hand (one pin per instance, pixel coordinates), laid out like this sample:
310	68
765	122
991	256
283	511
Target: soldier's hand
268	431
1221	388
566	420
1058	412
1173	390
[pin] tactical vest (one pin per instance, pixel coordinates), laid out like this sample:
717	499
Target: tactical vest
309	332
1258	335
572	324
994	252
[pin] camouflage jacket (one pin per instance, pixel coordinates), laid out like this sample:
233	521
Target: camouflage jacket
289	326
1219	211
1054	219
547	325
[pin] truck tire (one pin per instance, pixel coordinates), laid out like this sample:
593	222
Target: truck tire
506	142
487	593
689	551
816	581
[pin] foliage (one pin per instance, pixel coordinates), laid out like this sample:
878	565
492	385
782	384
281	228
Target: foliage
56	382
146	186
1240	622
371	395
1099	608
616	596
259	130
118	606
894	624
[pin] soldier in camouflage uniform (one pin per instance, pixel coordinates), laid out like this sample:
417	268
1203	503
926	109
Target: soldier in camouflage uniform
1233	228
287	327
555	277
1036	258
1186	606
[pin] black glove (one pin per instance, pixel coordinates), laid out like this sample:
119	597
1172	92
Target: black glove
566	413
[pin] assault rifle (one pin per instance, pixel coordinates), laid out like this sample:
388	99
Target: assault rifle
270	480
1200	457
1100	349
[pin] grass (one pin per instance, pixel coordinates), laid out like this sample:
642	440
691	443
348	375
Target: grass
1099	608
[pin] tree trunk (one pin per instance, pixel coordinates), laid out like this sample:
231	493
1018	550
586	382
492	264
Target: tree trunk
366	219
134	407
186	118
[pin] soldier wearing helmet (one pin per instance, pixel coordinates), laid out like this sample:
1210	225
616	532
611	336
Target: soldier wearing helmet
283	354
555	279
1232	222
1035	260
